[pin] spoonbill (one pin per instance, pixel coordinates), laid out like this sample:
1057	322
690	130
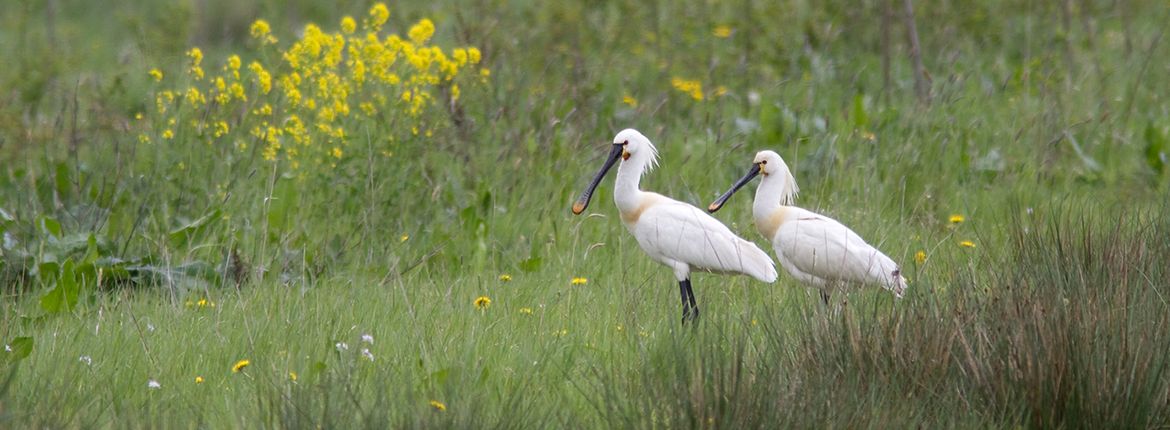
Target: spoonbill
675	234
815	249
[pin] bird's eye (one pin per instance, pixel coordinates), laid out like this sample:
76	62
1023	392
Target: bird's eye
764	162
626	143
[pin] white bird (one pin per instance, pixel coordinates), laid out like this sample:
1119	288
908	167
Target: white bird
678	235
815	249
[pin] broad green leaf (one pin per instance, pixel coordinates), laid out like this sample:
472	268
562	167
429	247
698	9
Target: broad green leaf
64	295
182	236
22	347
49	226
531	264
860	116
63	185
280	207
1157	151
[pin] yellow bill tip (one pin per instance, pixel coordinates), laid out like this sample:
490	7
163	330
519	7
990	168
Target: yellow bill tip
713	207
578	207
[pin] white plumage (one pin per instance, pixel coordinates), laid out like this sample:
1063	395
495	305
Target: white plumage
675	234
813	248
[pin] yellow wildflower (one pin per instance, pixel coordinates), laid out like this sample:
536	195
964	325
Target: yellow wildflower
198	379
233	63
348	25
580	281
920	257
196	59
262	31
439	406
956	219
221	128
263	79
720	91
292	376
473	55
156	74
482	302
506	277
526	311
421	32
967	244
378	16
722	31
336	152
630	100
194	97
240	365
691	88
168	134
404	238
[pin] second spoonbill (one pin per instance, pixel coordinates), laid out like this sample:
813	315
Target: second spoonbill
815	249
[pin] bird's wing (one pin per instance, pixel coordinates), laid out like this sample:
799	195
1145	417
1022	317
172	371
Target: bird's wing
681	232
822	247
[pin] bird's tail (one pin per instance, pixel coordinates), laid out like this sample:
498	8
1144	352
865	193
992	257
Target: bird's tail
756	263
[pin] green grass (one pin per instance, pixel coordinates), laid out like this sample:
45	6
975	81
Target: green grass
1049	137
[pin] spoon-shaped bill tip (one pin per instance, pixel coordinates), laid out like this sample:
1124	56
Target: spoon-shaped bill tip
718	203
583	201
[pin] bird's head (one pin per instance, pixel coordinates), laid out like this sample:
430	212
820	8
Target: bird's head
773	168
630	146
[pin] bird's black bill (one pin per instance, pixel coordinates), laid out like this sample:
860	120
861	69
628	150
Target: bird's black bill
583	202
718	203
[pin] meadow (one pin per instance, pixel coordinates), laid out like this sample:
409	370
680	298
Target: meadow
219	214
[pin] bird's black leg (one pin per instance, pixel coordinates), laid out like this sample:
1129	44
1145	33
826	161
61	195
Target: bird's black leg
694	306
683	286
825	297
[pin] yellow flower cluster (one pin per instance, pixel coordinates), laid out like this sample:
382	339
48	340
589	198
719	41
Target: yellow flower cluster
689	87
302	107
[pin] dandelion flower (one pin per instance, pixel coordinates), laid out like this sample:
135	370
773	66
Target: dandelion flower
691	88
722	31
198	379
439	406
240	365
152	384
580	281
920	257
956	219
505	278
967	244
482	302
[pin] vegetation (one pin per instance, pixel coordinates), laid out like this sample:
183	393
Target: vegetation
281	214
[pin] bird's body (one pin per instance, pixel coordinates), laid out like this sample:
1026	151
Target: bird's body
684	238
675	234
815	249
